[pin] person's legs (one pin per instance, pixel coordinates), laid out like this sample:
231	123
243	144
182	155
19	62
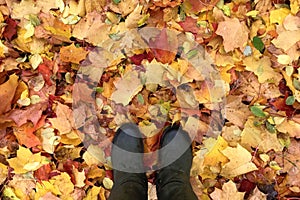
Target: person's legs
175	158
130	181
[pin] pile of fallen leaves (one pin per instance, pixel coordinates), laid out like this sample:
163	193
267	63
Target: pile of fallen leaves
72	71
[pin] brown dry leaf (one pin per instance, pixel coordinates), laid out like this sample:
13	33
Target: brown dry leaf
257	195
290	127
7	92
88	29
64	121
24	8
239	163
23	185
287	39
72	54
126	88
228	192
234	33
235	111
25	135
124	7
289	161
291	23
232	134
93	5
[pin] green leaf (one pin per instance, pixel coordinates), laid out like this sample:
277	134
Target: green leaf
271	128
35	21
99	89
140	99
290	100
226	10
257	111
296	84
192	53
258	44
114	36
116	1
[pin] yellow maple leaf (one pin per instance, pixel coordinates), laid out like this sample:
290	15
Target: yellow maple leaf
26	161
259	137
58	185
228	192
239	163
262	69
278	15
214	155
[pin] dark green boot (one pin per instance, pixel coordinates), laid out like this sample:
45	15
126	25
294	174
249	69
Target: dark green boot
175	158
130	181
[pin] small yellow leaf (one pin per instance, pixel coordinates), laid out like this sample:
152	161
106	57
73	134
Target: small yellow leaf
252	13
284	59
214	155
108	183
278	15
35	60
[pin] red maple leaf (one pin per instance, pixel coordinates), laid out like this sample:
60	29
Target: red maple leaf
137	59
162	48
189	25
46	73
10	30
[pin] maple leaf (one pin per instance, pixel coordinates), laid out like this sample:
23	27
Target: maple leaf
236	112
228	192
45	70
234	33
196	6
10	30
262	69
238	164
7	92
64	121
26	161
286	39
259	137
190	25
31	113
25	135
88	29
72	54
214	155
126	88
163	47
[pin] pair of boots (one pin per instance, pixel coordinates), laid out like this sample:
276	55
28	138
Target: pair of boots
175	160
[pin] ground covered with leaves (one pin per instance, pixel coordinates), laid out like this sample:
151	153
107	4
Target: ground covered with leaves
72	71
